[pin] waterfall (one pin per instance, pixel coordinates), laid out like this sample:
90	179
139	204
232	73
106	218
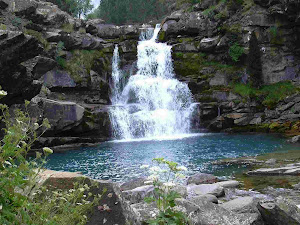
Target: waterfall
153	104
116	76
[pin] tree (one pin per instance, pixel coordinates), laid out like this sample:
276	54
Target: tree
129	11
254	65
77	8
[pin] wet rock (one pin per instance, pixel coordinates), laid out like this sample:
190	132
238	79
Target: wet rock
293	169
295	139
202	189
279	212
202	178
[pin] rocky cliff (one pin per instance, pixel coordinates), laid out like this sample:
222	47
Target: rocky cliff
63	65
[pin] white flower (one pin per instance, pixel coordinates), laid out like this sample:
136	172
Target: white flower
179	175
182	168
47	150
169	184
153	177
3	93
1	207
36	126
155	169
144	166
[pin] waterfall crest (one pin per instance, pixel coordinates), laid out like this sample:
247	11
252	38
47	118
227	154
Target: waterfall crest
153	104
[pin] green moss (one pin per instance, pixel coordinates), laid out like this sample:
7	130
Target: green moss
270	95
276	36
39	36
162	35
82	30
236	51
81	63
234	28
3	27
68	28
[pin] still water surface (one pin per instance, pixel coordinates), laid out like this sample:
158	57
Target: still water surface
121	160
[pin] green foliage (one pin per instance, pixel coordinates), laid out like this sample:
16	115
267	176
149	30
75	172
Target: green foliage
210	12
269	95
39	37
81	63
164	177
22	199
3	27
254	65
274	93
236	51
68	28
17	22
130	11
275	36
77	8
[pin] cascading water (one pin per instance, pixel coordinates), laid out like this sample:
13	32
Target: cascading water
153	104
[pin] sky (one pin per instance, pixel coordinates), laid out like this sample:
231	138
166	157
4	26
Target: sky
95	3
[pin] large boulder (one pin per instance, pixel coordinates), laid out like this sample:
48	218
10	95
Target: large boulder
279	212
202	189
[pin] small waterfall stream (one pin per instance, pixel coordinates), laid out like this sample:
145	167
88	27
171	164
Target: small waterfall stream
153	104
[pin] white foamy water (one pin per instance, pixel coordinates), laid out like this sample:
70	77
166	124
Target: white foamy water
153	104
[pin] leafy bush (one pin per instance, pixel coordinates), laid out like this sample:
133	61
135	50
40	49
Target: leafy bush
236	51
164	177
268	95
22	200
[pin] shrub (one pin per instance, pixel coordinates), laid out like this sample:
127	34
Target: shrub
163	177
236	51
22	200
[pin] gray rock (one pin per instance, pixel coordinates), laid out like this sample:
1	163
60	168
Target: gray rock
132	184
138	194
3	4
208	44
279	212
202	189
202	178
295	139
241	205
205	198
286	170
271	161
58	78
297	186
229	184
220	79
210	213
